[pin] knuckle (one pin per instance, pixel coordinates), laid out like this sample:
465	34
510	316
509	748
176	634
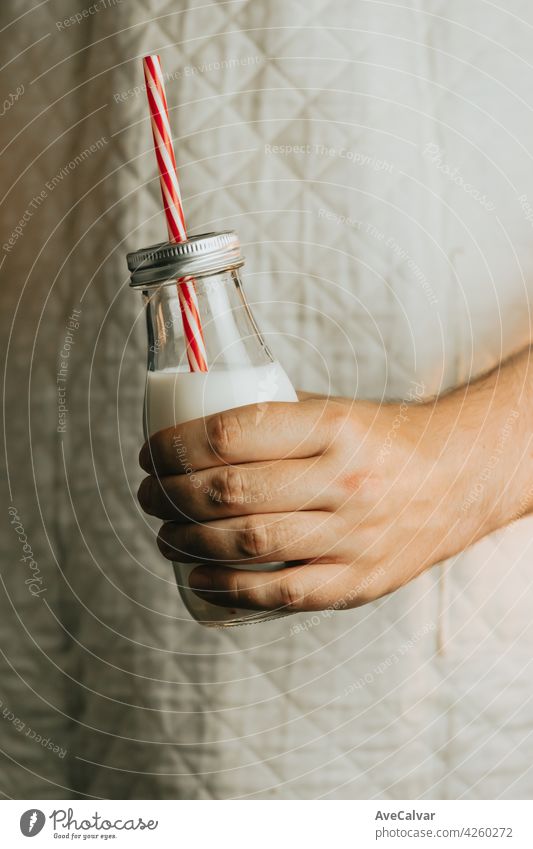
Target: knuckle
340	420
347	483
234	584
229	487
337	412
291	592
223	432
254	541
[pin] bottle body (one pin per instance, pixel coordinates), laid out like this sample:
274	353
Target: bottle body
174	396
241	370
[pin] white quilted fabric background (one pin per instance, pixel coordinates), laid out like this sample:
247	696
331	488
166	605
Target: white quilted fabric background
392	249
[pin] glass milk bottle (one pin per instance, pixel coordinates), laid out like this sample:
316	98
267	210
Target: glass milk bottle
241	368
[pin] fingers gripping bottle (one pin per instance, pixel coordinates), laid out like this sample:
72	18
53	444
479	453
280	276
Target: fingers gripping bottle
241	369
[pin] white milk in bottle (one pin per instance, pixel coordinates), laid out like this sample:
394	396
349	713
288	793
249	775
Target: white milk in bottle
176	395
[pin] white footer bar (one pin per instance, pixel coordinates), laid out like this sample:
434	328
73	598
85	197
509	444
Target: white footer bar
268	824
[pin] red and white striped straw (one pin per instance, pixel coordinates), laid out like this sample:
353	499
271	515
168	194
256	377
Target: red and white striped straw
170	191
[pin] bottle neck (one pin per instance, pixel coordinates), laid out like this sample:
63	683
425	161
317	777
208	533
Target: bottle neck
230	333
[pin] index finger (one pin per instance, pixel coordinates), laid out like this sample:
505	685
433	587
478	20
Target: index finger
241	435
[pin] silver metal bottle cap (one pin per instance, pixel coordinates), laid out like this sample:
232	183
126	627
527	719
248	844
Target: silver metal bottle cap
203	254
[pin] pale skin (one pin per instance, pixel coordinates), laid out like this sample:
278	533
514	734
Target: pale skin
357	498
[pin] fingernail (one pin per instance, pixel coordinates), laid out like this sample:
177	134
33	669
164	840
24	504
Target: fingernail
199	580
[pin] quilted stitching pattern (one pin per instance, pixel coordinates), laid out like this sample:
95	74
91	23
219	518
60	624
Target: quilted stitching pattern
154	706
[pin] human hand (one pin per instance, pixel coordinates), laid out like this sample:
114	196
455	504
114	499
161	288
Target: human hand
354	497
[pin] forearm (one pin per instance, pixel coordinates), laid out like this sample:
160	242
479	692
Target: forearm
485	438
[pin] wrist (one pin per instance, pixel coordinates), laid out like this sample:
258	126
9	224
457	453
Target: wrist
420	475
448	448
473	436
